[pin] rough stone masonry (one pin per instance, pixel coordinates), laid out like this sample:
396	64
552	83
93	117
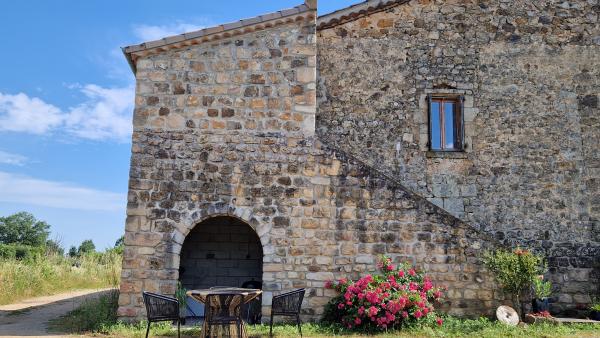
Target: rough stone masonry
313	132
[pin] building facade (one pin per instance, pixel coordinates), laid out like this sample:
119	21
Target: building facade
291	149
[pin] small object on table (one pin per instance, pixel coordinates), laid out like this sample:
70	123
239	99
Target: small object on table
287	304
161	308
507	315
224	312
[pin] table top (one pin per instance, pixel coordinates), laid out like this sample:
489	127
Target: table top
201	294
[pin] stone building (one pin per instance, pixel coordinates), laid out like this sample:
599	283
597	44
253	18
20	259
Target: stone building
292	149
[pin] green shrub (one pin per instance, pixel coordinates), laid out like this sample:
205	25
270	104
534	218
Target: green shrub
541	289
515	270
20	252
396	296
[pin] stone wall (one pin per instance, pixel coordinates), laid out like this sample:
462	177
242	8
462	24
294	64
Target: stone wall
204	116
221	129
221	251
530	75
227	128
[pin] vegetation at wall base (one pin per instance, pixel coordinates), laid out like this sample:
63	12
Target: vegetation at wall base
396	297
98	317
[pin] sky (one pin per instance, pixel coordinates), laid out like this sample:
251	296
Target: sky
66	102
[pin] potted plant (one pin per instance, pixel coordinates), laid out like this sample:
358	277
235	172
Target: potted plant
515	271
181	295
595	309
541	291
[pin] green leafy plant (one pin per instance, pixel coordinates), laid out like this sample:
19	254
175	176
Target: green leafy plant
181	295
515	270
541	289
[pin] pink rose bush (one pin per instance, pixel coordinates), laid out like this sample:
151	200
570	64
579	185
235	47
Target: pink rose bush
396	296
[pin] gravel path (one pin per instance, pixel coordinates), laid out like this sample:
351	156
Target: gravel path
30	317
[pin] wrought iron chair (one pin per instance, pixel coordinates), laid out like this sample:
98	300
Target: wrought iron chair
287	304
161	308
252	310
223	309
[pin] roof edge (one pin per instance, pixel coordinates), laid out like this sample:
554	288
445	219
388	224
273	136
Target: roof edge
355	12
217	32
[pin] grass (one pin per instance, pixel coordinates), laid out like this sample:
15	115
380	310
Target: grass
48	275
98	318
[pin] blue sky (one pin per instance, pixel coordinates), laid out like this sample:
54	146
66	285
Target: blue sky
66	98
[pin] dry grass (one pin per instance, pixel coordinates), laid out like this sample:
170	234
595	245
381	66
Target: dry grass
48	275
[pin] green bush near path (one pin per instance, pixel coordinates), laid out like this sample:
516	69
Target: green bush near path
98	317
43	275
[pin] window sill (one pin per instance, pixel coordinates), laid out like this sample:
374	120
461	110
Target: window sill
447	154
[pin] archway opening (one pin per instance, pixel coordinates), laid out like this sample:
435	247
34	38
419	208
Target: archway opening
221	251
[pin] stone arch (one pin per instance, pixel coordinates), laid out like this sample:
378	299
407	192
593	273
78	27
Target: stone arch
221	250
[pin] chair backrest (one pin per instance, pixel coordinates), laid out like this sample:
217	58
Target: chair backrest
252	284
159	307
218	287
288	303
222	305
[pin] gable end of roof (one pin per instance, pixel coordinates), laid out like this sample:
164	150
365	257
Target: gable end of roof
302	12
355	12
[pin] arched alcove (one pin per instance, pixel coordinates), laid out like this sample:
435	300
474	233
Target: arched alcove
220	251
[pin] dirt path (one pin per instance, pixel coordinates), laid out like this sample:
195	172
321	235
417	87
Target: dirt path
30	317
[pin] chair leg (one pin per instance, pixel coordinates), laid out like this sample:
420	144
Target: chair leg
178	328
299	325
271	330
148	329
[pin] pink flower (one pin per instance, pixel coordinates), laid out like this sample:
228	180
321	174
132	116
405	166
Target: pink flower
412	272
439	321
390	267
361	310
343	281
372	311
357	321
437	294
404	314
340	305
328	284
425	311
427	285
401	273
418	314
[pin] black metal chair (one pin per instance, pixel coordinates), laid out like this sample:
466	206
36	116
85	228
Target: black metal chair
252	310
223	309
289	305
161	308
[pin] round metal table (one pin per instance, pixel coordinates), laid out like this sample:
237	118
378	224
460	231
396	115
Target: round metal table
247	295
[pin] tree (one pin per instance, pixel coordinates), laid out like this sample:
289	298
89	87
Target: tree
119	245
86	246
53	246
73	251
120	242
23	228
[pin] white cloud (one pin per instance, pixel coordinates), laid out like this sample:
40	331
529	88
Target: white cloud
20	113
150	32
12	159
27	190
104	114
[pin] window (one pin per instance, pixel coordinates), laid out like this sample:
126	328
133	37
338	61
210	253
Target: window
446	123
